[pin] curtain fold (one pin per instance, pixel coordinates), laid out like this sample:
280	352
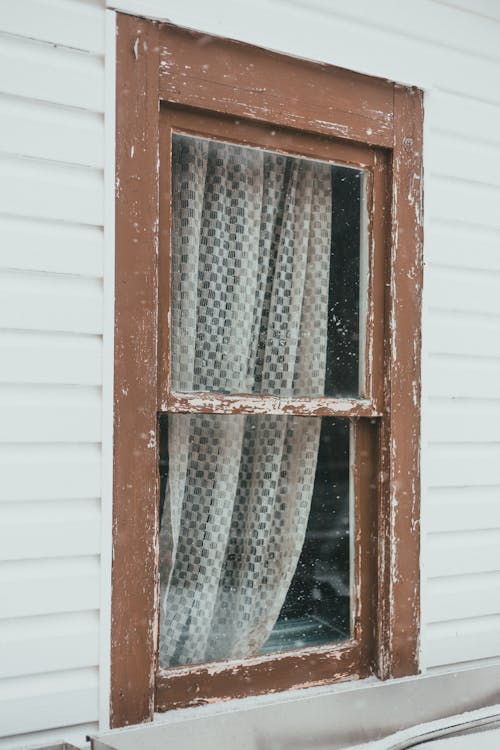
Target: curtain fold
250	277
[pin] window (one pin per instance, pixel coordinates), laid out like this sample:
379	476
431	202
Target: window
266	373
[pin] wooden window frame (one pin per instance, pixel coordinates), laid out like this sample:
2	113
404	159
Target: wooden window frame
174	79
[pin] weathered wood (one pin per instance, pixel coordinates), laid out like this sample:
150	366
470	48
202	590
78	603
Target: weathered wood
215	403
399	515
191	686
238	79
277	96
135	507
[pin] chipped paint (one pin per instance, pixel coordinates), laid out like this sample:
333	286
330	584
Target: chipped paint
249	404
193	72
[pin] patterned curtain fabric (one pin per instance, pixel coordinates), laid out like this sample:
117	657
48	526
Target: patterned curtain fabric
250	277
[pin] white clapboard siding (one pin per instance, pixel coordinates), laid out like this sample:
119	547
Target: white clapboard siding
38	587
50	302
454	156
51	73
462	420
49	643
39	245
471	336
50	414
56	699
467	378
34	530
462	508
49	190
58	471
462	245
61	358
462	596
52	160
463	200
463	464
462	640
468	291
47	131
484	8
456	553
455	114
76	24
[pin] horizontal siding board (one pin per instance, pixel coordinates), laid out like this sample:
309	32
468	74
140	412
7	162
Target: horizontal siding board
465	379
462	246
466	116
52	74
38	702
472	336
50	472
482	8
425	20
41	587
463	597
50	358
35	414
462	200
448	509
458	421
26	539
50	302
48	131
47	190
460	553
76	24
47	644
456	156
462	465
36	245
466	640
457	289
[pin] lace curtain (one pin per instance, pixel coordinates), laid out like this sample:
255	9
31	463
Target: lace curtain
250	277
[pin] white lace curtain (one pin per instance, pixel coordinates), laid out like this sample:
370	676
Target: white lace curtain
250	276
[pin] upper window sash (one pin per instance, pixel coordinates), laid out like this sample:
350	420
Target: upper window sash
373	163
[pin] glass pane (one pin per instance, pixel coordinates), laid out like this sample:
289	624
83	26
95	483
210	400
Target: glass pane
254	541
266	253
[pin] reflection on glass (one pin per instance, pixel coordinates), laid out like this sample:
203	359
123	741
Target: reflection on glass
265	271
254	542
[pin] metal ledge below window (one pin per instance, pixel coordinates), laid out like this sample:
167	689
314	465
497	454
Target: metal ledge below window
327	718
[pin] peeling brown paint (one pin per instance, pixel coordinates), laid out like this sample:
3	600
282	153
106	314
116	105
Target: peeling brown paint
199	685
216	75
135	504
399	516
213	403
224	89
